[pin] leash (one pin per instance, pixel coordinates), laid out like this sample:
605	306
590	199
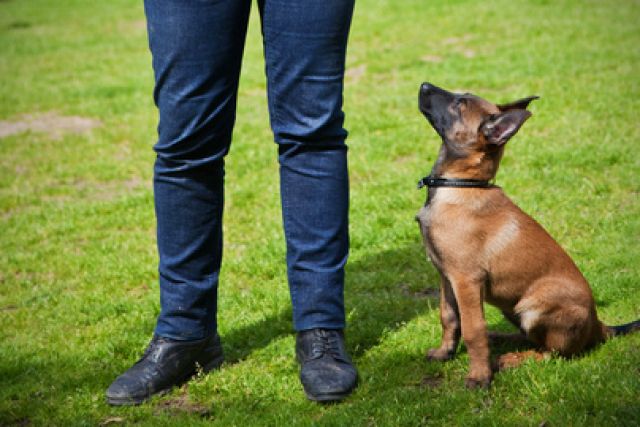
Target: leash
431	181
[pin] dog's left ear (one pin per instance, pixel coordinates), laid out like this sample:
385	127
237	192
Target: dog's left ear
500	128
520	104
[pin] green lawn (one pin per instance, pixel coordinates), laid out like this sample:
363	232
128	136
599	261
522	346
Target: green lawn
78	293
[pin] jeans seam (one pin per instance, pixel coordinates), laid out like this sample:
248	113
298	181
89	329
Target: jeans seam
287	235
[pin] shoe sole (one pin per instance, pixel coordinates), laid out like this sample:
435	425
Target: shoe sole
331	397
328	398
215	363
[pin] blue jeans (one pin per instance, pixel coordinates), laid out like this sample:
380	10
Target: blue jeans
197	48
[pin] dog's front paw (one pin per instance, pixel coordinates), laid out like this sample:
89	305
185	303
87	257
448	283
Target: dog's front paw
475	383
480	381
439	354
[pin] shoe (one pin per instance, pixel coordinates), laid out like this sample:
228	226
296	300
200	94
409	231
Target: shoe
164	364
327	372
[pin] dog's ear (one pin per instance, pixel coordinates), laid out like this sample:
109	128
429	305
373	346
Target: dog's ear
520	104
498	129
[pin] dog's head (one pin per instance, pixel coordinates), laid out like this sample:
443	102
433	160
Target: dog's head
471	127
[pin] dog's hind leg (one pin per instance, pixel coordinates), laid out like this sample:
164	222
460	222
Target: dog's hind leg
450	320
554	323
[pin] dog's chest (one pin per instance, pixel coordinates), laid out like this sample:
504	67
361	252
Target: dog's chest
424	218
448	224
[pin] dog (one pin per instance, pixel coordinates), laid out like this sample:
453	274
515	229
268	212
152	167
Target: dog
488	250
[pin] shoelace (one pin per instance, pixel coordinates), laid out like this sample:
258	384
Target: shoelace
155	340
326	342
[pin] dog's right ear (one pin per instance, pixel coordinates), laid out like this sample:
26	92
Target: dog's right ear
499	128
520	104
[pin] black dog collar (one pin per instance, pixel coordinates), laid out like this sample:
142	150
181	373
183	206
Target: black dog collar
431	181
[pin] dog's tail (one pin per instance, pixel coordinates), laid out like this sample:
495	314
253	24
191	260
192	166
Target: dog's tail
625	329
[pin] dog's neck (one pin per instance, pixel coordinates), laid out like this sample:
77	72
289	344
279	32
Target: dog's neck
459	166
481	166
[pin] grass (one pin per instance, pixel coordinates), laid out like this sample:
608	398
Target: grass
78	293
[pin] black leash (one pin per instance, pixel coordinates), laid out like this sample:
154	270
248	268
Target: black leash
431	181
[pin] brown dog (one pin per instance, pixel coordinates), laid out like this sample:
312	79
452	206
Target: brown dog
487	249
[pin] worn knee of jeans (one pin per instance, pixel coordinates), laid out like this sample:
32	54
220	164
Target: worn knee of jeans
315	118
193	134
196	50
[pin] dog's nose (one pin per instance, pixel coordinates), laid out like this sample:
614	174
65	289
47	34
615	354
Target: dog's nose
426	87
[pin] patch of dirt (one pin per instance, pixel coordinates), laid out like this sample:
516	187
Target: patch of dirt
124	151
139	24
20	170
354	74
457	41
97	191
432	58
401	160
459	45
112	420
105	191
139	290
423	293
468	53
130	184
181	404
258	92
52	124
431	381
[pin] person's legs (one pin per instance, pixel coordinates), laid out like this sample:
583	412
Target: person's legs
305	46
197	50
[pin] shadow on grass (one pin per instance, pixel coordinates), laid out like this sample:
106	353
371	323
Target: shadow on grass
383	291
387	290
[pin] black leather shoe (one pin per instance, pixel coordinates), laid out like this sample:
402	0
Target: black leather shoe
327	372
164	364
